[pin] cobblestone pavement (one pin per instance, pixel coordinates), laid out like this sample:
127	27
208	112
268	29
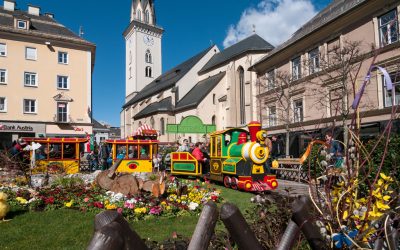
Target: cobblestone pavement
294	188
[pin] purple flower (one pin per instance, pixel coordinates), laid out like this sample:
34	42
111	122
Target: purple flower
156	210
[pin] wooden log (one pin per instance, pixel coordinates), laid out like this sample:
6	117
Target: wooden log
289	236
303	217
113	232
238	227
205	227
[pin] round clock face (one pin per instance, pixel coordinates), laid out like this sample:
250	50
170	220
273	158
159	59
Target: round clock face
148	40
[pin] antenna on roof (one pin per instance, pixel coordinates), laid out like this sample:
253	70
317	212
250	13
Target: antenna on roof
81	33
254	29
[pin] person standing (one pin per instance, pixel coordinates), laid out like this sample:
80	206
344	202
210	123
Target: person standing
277	149
198	154
104	153
334	149
184	147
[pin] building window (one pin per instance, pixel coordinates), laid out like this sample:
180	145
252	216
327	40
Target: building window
242	96
388	28
29	106
335	101
21	24
213	120
62	111
62	82
272	119
148	71
3	104
270	79
148	56
3	76
130	72
298	110
296	68
130	57
162	126
313	57
390	97
30	79
30	53
3	49
139	15
63	57
146	16
152	122
213	98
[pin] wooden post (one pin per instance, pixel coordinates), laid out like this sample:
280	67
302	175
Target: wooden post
113	232
238	227
289	236
205	227
302	216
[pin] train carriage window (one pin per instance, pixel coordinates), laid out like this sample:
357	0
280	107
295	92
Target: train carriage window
133	152
144	152
227	139
42	153
213	148
55	151
121	151
218	146
69	151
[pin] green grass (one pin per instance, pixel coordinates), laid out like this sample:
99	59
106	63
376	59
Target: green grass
70	229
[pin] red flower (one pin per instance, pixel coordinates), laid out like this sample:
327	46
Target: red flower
214	197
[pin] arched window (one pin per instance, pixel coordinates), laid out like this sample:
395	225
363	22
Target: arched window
162	126
146	16
139	15
242	95
152	122
130	57
213	120
148	71
148	56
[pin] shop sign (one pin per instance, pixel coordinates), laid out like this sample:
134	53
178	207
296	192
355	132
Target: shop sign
191	125
15	127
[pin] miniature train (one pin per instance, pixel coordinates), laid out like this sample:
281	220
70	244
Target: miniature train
237	158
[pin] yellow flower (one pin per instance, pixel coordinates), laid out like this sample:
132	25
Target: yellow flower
386	178
345	214
386	198
69	204
375	214
382	205
21	200
111	206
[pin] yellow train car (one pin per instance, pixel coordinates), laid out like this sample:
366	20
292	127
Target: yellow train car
136	154
57	154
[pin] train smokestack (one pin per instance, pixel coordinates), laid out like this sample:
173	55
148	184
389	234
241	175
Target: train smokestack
254	127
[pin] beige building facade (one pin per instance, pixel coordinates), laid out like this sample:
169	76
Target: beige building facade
309	82
45	76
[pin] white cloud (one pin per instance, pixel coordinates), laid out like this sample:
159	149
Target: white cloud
274	20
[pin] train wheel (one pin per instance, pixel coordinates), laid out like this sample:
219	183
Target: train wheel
227	181
234	183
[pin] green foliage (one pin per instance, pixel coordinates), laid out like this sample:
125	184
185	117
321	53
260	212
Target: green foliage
67	182
391	164
312	162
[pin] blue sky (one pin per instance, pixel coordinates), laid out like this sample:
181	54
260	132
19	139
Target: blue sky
190	26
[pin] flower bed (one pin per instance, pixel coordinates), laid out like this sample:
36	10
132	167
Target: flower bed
174	202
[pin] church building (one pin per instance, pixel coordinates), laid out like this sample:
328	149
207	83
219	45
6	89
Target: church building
212	90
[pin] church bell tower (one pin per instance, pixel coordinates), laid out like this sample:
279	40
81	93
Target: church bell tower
143	48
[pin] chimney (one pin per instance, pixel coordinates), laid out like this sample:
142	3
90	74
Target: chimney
51	15
33	10
9	5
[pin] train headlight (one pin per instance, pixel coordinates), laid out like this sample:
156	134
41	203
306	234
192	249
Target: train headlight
274	184
248	185
275	164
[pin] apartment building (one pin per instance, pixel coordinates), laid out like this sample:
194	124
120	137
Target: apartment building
308	83
45	76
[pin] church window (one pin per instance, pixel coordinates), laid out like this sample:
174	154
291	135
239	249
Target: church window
162	126
242	96
213	120
130	57
152	122
148	57
139	15
147	16
148	71
130	72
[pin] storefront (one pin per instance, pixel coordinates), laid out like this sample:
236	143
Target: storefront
67	130
11	131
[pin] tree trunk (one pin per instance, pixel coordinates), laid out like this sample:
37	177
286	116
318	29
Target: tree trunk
287	142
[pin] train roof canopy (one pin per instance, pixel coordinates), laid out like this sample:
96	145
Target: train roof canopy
54	140
227	131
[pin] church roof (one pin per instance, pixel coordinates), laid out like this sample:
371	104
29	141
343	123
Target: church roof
143	3
168	79
253	43
98	126
334	10
165	105
41	26
193	98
